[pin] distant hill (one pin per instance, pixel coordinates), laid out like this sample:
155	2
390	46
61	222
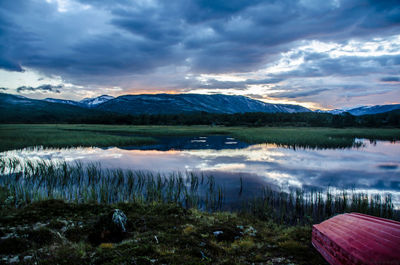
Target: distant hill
189	109
86	102
186	103
180	103
373	109
93	102
19	109
365	110
64	101
107	109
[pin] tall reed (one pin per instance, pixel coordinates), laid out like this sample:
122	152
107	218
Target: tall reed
34	180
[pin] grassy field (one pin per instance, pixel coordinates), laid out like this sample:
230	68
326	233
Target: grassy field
50	135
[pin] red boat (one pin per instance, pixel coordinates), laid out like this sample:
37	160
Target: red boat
358	239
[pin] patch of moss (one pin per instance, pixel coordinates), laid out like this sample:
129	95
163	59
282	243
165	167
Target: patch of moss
13	245
41	237
65	255
76	234
56	224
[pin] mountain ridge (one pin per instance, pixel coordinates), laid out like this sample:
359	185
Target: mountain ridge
364	110
16	108
93	102
187	103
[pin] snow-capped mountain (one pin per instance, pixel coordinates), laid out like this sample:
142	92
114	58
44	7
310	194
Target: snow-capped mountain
186	103
373	109
93	102
179	103
19	109
86	102
64	101
364	110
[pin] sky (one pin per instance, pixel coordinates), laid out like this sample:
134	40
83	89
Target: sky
320	54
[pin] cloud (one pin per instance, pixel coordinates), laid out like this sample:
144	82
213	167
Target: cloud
215	36
298	94
42	89
130	43
3	88
241	85
322	65
390	79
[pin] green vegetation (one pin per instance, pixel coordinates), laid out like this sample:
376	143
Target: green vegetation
50	211
64	135
31	181
55	232
312	137
257	119
24	135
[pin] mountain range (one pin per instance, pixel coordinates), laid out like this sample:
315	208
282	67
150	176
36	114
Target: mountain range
14	109
166	104
180	103
364	110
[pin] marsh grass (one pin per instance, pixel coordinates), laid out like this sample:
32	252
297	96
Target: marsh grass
37	180
319	138
14	136
306	207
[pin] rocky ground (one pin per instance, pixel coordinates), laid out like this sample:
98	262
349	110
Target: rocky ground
54	232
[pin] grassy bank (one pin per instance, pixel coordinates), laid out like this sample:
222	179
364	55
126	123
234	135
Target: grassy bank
54	232
50	135
20	136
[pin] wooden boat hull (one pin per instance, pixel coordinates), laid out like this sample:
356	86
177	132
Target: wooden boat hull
358	239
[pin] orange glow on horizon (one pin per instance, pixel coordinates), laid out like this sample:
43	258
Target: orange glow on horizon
309	105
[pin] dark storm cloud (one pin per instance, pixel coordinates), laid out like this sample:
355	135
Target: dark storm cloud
42	88
322	65
390	79
298	94
128	37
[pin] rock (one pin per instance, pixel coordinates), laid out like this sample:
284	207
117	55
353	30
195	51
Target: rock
251	231
217	233
110	228
227	234
119	219
14	260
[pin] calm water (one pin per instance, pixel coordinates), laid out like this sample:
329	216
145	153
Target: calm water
373	167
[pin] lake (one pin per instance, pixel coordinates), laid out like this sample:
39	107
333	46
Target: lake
372	167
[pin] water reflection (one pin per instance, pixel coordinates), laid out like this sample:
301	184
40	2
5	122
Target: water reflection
374	167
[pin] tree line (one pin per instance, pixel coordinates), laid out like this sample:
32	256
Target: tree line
308	119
